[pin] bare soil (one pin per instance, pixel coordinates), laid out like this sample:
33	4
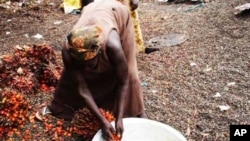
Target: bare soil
179	82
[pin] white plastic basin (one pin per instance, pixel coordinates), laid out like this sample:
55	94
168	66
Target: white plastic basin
139	129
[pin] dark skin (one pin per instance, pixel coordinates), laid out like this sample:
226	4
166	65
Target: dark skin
86	2
119	63
133	3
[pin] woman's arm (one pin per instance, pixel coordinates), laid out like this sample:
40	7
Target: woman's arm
73	66
83	90
118	59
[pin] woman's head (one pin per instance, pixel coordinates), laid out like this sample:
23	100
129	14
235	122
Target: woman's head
84	43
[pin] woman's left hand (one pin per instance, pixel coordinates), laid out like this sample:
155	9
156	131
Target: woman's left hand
119	127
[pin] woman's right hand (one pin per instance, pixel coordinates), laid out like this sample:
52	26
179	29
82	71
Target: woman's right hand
107	131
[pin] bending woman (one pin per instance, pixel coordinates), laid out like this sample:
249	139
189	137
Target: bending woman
100	67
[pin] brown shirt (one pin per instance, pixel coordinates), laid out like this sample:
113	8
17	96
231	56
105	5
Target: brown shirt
101	81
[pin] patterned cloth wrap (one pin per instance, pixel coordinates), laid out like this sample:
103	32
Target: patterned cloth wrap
84	43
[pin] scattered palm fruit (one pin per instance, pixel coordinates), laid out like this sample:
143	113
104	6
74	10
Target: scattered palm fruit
116	137
86	124
58	129
30	68
14	112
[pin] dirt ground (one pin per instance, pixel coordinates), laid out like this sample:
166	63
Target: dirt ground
186	85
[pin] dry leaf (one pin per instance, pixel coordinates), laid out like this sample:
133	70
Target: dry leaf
20	70
208	69
57	22
188	132
38	36
231	84
217	95
224	108
193	64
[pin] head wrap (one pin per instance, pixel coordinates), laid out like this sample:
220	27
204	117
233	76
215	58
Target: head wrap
84	43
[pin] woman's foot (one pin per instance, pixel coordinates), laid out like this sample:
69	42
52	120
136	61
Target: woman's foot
42	112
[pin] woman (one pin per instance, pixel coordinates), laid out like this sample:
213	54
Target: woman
100	67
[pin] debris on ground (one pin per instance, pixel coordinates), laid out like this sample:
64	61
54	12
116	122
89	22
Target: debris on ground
242	8
167	40
195	7
30	68
214	59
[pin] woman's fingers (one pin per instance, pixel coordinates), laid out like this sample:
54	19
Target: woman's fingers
119	128
107	132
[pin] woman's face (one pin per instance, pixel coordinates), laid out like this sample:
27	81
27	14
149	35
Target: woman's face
85	55
87	59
